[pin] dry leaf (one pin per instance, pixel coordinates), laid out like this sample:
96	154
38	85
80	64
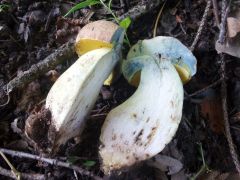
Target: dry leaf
231	47
232	43
178	19
166	163
233	25
179	176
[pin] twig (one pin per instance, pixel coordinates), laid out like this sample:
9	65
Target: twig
222	33
215	11
221	39
30	176
63	53
50	161
157	20
205	88
225	116
140	9
223	9
204	166
8	98
14	170
97	116
202	24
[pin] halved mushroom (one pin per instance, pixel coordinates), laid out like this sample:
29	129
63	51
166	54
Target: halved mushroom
74	93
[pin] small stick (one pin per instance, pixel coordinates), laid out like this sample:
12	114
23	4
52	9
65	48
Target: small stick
202	24
205	88
222	33
225	115
140	9
221	39
63	53
50	161
157	20
30	176
215	11
14	171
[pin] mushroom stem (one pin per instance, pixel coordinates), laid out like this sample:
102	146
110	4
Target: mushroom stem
141	127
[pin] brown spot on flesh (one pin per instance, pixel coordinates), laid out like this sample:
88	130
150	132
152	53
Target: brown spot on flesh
172	103
138	137
134	115
150	136
114	137
114	145
173	118
148	119
134	132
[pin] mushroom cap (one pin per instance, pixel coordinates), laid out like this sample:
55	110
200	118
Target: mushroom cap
168	47
95	35
101	30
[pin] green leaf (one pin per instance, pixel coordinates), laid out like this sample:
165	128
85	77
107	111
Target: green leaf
82	5
4	7
89	163
125	23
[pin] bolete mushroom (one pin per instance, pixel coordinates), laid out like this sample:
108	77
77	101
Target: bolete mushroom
95	35
75	92
144	124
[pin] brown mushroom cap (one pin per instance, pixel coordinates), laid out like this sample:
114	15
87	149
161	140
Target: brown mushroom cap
101	30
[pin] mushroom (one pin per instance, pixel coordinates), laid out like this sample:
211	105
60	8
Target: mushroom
75	92
90	38
143	125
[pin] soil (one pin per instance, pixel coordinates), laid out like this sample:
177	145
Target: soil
30	31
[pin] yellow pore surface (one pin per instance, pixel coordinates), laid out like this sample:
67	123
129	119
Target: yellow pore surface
85	45
182	72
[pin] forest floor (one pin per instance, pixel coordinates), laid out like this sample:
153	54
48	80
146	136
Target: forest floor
30	31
